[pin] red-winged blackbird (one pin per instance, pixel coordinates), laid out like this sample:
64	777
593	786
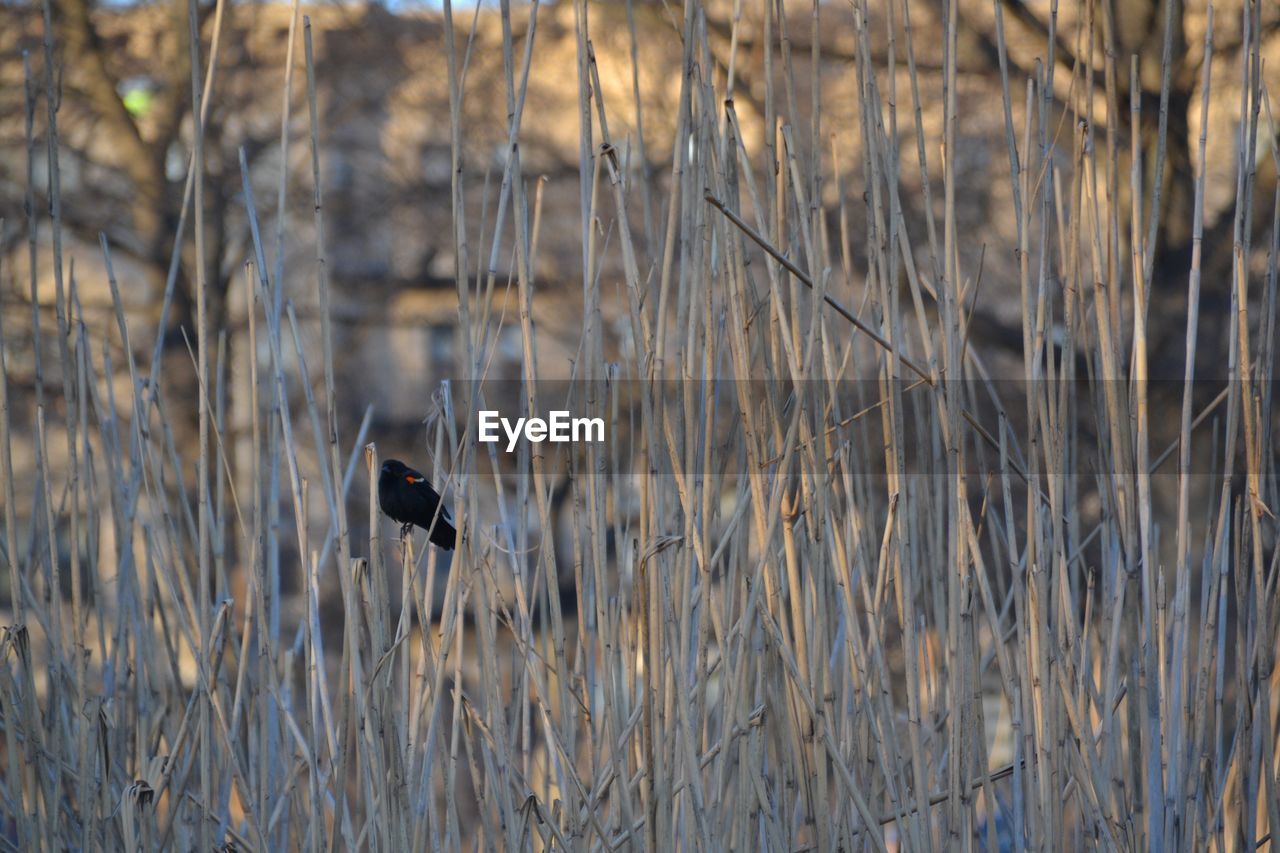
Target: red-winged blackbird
407	497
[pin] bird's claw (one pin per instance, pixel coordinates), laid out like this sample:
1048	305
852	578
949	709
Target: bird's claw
404	531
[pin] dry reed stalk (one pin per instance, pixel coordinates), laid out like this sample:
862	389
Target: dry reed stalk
796	607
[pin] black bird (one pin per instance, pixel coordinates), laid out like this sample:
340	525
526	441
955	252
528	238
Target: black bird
407	497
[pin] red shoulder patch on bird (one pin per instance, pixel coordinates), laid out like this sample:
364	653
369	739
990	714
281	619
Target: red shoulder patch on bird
412	479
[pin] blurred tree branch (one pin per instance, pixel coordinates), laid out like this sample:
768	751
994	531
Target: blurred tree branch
143	160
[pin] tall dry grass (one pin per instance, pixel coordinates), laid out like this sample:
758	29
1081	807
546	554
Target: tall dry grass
816	634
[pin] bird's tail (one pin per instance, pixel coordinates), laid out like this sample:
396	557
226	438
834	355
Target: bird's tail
443	535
